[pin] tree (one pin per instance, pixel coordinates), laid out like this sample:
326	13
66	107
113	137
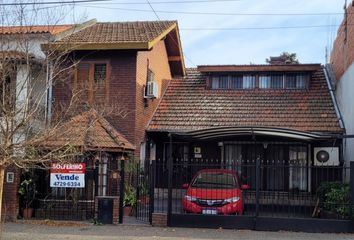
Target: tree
26	77
283	58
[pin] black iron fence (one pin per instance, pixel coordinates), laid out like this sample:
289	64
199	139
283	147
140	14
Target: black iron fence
58	209
295	190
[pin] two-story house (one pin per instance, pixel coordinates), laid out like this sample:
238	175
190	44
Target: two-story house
23	95
115	73
124	68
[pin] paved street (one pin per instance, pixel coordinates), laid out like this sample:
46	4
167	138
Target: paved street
25	231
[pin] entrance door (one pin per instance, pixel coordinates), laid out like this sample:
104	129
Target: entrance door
242	158
282	164
273	170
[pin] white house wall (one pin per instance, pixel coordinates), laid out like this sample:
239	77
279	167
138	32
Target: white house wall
345	98
27	43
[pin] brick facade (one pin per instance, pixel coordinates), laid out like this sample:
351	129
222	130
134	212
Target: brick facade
10	203
128	75
121	88
342	54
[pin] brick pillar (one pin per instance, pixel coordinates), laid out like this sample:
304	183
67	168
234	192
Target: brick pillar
10	201
159	220
115	213
115	210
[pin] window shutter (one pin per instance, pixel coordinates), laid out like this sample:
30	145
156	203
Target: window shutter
82	81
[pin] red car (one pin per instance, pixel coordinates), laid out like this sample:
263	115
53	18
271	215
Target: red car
214	191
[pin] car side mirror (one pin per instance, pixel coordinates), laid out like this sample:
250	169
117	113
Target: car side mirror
245	187
185	186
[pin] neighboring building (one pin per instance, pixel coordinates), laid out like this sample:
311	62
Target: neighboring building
218	112
342	61
119	71
22	74
124	68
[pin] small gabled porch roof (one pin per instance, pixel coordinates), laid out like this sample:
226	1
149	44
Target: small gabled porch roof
88	131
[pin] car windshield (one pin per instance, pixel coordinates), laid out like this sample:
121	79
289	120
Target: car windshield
215	180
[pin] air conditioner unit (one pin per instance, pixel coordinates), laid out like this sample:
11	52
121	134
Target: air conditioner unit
326	156
151	90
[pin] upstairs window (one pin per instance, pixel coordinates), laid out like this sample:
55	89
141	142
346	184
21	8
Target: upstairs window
92	81
7	96
233	82
264	81
296	81
249	81
220	82
100	73
236	82
275	81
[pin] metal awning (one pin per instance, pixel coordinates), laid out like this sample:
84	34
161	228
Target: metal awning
212	133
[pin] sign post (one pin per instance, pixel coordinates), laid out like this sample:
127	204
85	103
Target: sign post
70	175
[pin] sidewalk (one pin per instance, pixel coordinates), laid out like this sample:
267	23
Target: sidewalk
26	231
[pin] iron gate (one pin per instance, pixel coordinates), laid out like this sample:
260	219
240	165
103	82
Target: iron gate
284	191
145	193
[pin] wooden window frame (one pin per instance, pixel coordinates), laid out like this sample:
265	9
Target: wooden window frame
91	79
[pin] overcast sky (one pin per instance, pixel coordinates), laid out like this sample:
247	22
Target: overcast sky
218	39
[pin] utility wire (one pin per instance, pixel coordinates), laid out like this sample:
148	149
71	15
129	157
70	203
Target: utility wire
259	28
56	2
175	2
177	45
218	13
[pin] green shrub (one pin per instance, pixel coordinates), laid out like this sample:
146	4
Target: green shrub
129	196
335	197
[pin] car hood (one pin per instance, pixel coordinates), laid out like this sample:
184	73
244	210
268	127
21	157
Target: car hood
203	193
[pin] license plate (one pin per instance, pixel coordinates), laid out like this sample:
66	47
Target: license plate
210	211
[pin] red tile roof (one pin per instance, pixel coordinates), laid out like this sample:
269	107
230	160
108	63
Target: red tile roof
52	29
88	130
120	32
188	105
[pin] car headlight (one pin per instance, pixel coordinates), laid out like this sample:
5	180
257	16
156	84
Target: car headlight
232	200
190	198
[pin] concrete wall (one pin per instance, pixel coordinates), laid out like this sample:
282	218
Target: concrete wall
342	60
27	43
345	98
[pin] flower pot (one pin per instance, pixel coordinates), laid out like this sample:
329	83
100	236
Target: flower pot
127	211
144	200
27	213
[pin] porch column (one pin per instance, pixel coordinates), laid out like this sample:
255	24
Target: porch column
121	194
169	167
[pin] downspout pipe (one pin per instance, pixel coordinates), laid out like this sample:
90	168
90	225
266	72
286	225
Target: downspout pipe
49	93
334	100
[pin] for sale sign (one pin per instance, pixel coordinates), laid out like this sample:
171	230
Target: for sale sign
71	175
